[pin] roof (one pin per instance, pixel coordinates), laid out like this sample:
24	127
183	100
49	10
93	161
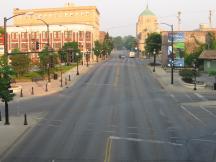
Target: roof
147	12
208	55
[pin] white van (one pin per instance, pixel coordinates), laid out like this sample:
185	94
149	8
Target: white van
131	54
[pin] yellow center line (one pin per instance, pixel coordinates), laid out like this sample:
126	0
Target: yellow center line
117	75
108	150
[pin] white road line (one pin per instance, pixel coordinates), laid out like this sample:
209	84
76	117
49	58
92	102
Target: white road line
174	98
210	113
52	125
109	131
201	140
143	140
200	96
162	113
133	133
188	96
132	127
191	114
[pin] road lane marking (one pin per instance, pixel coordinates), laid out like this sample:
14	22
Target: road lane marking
132	127
162	113
201	140
108	150
188	96
173	97
200	96
204	109
191	114
132	133
144	140
117	76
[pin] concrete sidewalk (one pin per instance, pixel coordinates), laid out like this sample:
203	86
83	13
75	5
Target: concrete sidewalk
41	88
11	134
164	78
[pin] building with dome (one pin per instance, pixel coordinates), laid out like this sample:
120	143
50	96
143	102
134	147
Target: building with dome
147	23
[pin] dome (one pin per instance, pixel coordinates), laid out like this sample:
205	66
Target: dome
147	12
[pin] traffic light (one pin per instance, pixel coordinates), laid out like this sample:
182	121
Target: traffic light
37	45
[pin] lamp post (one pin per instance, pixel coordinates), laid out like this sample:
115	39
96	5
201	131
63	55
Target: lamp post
5	31
87	57
6	54
48	70
77	54
172	54
195	73
154	53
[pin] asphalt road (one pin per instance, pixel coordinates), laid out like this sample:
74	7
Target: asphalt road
118	112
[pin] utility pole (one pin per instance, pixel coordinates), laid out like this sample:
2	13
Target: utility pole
210	18
179	20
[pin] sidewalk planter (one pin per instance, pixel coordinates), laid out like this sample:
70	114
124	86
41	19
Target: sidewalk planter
16	88
198	85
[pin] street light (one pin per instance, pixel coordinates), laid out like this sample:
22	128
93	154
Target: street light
172	55
87	57
5	30
48	70
6	54
154	53
47	25
195	73
77	54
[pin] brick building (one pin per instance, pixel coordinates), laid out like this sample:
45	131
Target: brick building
66	24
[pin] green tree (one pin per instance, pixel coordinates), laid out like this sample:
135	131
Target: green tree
152	42
118	43
6	73
210	41
97	49
48	59
129	42
1	30
20	62
64	51
107	45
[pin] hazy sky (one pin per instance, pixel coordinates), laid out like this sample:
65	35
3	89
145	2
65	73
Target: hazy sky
119	17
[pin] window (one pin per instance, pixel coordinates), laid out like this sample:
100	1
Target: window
24	45
88	36
24	35
14	45
35	35
56	34
56	45
68	34
44	35
208	64
81	35
14	35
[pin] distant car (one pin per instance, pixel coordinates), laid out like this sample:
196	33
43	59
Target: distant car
131	54
121	56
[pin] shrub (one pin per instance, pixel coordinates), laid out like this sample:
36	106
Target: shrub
187	75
